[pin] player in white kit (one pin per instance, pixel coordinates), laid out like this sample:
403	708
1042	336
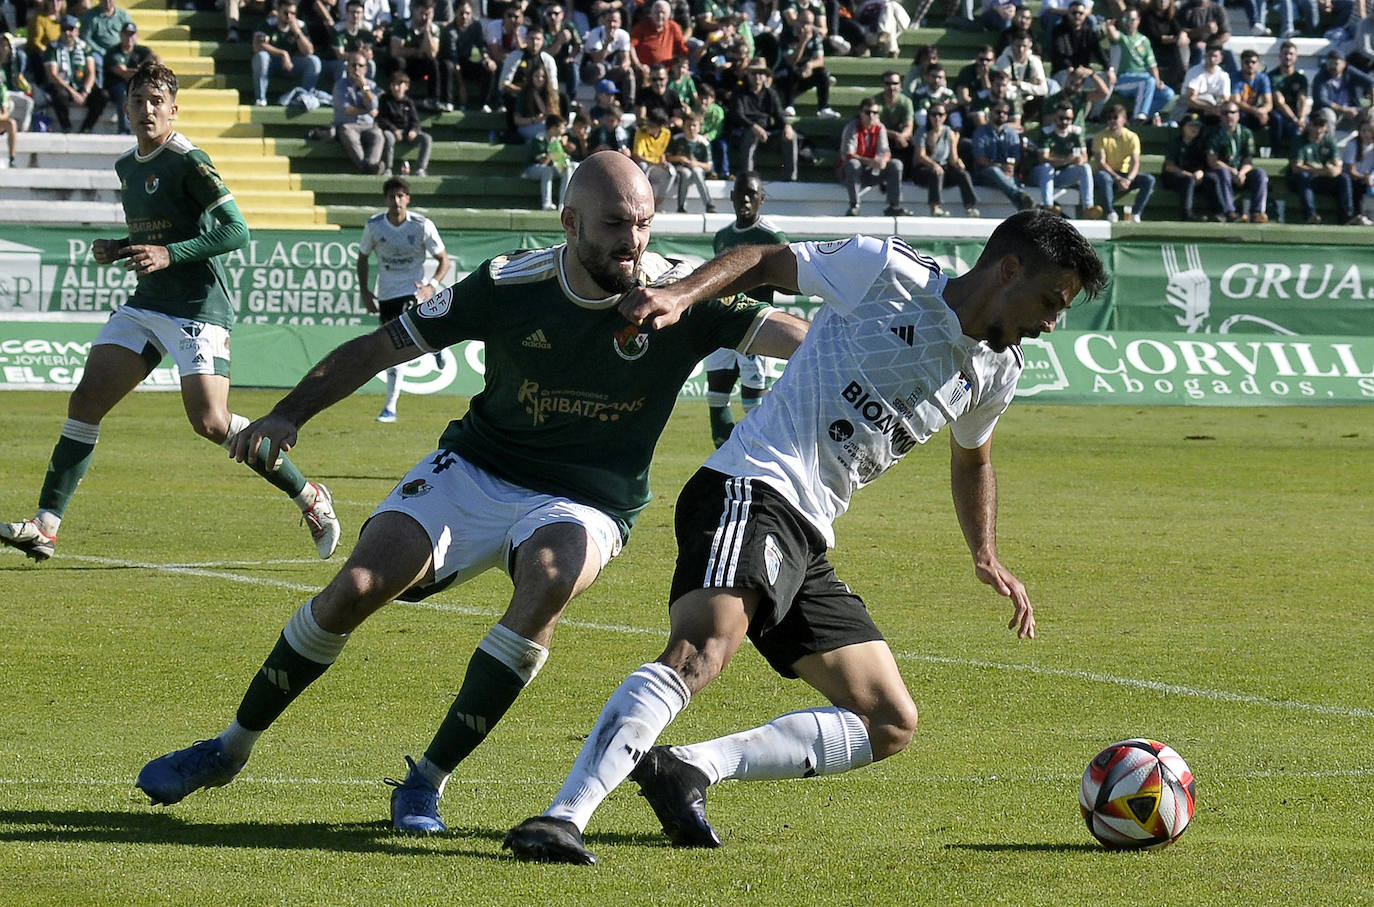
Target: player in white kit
897	351
402	239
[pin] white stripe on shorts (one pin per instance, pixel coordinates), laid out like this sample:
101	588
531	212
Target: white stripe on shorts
725	547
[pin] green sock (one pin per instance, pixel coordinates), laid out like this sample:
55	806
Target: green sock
489	690
722	423
284	476
71	457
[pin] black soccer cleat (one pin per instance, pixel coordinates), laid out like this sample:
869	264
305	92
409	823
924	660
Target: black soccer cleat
543	839
677	793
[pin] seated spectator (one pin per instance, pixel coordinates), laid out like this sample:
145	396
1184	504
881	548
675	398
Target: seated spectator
1118	166
898	116
9	123
355	118
606	56
656	93
1357	159
973	81
520	65
682	83
998	91
756	118
1185	168
655	39
549	161
1206	88
399	121
353	34
713	130
504	36
936	161
1342	90
934	91
1064	159
283	48
71	78
1169	40
1137	71
1292	100
563	42
1026	81
1288	17
1023	20
865	161
1082	89
101	27
578	139
649	149
803	66
997	15
997	156
120	66
608	134
1053	13
1316	164
536	100
415	50
233	10
1207	24
44	29
15	82
883	22
467	72
690	155
1252	93
923	59
1077	43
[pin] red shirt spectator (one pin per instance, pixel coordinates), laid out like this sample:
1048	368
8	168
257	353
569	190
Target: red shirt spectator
656	39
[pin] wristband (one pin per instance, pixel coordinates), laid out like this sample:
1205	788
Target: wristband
435	284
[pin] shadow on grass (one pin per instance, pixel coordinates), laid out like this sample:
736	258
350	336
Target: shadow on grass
1039	847
113	827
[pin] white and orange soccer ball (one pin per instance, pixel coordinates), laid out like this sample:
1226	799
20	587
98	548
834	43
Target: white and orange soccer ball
1137	794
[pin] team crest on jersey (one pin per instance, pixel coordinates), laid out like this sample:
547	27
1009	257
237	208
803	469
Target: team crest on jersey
415	488
629	343
436	306
772	558
151	183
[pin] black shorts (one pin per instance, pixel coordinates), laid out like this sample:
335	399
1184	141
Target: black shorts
741	534
391	309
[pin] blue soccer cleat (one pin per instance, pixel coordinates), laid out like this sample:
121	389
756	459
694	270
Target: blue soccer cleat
415	804
168	779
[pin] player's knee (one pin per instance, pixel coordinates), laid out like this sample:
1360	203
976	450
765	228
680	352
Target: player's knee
210	426
891	728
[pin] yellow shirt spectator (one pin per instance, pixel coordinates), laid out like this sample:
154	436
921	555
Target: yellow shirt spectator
1121	152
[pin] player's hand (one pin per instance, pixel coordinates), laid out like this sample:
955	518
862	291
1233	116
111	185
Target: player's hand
107	251
1005	583
423	291
653	307
146	259
264	440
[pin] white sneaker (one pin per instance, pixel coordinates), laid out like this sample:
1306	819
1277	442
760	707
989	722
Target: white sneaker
1135	218
548	206
388	415
1112	217
324	526
828	113
260	102
1259	30
789	111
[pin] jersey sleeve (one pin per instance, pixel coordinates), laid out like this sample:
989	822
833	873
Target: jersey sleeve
839	271
433	243
455	313
369	240
730	323
203	182
973	428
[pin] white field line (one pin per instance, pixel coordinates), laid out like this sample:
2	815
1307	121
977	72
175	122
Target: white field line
1155	686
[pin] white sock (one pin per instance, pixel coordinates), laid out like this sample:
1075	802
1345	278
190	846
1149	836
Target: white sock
717	399
822	741
523	656
628	725
48	521
307	497
238	741
237	424
750	402
393	388
435	775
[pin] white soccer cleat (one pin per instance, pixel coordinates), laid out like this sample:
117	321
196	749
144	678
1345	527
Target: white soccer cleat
324	525
29	537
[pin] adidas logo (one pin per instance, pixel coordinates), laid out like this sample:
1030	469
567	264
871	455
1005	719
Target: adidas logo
906	332
477	723
200	358
278	678
537	341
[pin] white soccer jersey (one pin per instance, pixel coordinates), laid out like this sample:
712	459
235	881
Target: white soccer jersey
400	250
884	366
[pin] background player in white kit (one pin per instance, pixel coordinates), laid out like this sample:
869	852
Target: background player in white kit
401	238
898	351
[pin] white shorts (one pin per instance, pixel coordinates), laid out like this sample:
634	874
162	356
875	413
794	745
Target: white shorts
753	370
475	520
196	347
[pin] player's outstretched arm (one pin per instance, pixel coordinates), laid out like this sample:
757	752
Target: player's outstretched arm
973	482
336	376
741	268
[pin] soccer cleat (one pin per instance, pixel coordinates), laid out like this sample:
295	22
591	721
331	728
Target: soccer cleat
676	792
388	415
439	359
29	537
415	804
543	839
324	525
828	113
168	779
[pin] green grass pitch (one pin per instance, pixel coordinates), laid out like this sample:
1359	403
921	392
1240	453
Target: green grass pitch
1201	576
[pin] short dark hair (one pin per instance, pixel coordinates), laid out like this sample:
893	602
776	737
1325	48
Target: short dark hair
658	116
1041	238
396	182
154	73
553	119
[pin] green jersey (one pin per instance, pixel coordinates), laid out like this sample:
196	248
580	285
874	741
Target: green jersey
759	233
575	396
1232	148
1065	145
697	149
169	197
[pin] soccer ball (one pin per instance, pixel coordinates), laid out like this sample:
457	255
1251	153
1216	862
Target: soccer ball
1136	794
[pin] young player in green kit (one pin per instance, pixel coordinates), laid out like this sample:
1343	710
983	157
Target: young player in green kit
180	216
542	478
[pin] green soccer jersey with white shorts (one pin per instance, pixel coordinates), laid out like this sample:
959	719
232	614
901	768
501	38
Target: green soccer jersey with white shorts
576	396
168	198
